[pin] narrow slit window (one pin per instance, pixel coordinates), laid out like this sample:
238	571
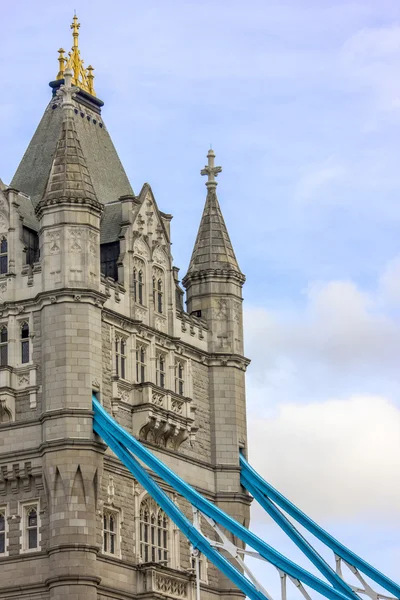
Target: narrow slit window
120	357
3	346
179	378
3	256
160	370
25	342
159	296
140	364
2	531
140	287
32	527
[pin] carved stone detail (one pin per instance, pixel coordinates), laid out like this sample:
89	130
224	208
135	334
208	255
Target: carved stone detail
54	239
76	239
171	587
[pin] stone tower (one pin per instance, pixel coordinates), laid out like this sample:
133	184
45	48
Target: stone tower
91	302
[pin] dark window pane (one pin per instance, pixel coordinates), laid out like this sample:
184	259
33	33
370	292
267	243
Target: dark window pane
3	265
3	246
31	243
109	254
32	518
162	380
25	351
32	538
112	544
105	537
4	335
122	367
2	522
159	306
3	355
25	331
2	543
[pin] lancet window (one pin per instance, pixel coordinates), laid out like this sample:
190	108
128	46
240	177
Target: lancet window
31	527
154	527
110	532
158	290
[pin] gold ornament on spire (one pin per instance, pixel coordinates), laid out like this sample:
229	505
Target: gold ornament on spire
82	78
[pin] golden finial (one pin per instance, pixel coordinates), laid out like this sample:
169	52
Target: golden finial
82	78
61	60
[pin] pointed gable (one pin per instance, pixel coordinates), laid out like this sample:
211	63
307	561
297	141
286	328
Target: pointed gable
149	222
213	248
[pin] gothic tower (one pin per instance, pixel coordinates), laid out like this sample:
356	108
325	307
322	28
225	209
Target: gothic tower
90	302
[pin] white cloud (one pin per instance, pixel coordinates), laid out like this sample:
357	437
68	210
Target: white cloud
339	458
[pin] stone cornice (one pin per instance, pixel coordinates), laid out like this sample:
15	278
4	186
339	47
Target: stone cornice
213	275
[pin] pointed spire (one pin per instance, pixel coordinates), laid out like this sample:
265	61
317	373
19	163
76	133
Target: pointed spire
69	178
213	248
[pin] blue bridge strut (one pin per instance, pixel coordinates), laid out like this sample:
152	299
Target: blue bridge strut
128	450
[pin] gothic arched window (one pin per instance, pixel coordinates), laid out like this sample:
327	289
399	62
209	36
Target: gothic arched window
3	345
24	342
110	532
3	256
32	528
153	532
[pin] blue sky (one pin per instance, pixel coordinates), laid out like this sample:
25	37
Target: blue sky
301	102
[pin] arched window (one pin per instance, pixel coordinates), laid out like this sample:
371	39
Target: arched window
3	256
110	532
153	532
24	342
3	345
31	528
140	364
2	531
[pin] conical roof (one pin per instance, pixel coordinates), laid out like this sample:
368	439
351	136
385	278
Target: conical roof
104	167
69	175
213	249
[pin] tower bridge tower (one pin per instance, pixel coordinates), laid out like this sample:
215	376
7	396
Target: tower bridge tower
91	302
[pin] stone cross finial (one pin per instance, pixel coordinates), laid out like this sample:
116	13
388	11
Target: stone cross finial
210	170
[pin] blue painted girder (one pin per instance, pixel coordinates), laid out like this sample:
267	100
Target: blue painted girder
124	444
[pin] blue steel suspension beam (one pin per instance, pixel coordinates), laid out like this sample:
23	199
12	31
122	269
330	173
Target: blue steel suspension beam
109	426
264	492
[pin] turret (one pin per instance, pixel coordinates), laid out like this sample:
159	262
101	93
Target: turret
214	280
214	292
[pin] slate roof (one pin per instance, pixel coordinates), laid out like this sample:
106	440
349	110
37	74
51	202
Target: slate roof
213	248
105	170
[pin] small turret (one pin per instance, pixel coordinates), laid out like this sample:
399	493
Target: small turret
214	280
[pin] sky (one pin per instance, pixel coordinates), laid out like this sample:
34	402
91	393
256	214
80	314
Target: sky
300	100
